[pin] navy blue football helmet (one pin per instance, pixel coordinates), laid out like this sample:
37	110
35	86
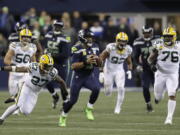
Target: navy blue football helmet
147	32
83	36
19	26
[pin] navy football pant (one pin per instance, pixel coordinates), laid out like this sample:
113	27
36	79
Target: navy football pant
90	82
62	69
147	80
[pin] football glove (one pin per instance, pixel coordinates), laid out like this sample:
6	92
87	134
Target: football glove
129	74
139	68
153	68
101	77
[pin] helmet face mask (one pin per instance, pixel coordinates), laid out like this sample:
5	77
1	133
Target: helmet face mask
147	33
169	36
46	67
25	36
25	39
58	26
121	40
121	44
168	39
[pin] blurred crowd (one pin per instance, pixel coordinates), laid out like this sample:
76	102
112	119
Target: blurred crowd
104	26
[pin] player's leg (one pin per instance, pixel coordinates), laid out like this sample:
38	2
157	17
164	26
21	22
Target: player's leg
13	88
95	88
62	71
171	84
159	86
55	96
74	95
28	100
108	83
120	81
146	81
12	108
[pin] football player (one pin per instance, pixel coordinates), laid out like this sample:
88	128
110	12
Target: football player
142	48
114	56
14	37
84	59
165	58
19	54
57	46
39	74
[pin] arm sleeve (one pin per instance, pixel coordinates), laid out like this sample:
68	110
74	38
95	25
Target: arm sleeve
75	57
64	50
136	55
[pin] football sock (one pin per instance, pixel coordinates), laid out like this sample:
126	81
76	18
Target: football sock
171	107
120	97
89	105
146	95
9	111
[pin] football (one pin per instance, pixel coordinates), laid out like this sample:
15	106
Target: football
98	61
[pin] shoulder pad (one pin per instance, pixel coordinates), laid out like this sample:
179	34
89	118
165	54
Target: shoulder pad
33	66
129	49
138	41
110	46
49	35
53	73
76	48
158	46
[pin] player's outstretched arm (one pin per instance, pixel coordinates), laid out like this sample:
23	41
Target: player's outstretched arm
63	87
14	69
129	62
8	57
152	57
103	56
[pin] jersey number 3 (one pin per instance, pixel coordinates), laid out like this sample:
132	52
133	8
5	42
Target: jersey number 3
39	82
173	55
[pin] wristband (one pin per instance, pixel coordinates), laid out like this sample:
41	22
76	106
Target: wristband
13	68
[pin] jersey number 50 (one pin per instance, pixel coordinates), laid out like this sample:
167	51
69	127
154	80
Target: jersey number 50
21	58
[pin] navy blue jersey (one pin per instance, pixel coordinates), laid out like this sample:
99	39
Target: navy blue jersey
13	37
80	54
142	51
58	46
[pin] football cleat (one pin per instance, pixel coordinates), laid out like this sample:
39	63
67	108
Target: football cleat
9	100
117	110
149	108
62	121
156	101
168	121
89	113
1	121
55	100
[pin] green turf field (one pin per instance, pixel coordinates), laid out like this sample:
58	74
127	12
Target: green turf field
133	120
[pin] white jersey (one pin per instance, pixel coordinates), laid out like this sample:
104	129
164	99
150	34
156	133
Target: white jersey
168	58
23	54
115	60
35	80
